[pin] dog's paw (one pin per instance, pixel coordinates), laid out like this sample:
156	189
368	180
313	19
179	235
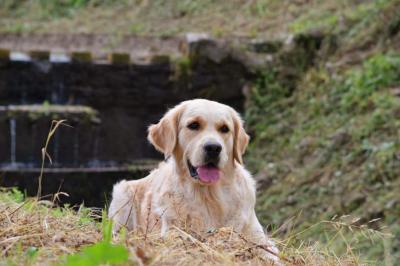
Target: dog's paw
270	253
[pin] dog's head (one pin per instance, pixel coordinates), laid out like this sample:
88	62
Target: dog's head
204	137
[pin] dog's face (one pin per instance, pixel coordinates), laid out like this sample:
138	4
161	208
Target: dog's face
205	137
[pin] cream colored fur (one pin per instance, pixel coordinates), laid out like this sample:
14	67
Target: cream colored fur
169	196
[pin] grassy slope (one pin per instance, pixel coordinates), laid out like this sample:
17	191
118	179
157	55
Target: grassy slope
331	147
170	17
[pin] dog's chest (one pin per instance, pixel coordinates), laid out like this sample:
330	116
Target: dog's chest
203	211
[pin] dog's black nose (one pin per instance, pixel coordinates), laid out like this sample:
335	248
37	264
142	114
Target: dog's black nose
212	150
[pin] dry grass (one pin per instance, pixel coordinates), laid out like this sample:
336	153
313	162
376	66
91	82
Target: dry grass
36	232
222	247
35	228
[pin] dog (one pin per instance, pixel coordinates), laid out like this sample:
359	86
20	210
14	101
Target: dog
202	184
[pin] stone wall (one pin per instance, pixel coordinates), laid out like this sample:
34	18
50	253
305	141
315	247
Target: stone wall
128	98
126	91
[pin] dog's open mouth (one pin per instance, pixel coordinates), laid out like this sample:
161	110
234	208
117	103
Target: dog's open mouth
208	173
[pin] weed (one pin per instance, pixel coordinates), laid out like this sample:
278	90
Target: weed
103	252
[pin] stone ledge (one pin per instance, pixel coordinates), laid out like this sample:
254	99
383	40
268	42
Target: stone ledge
108	49
36	111
136	166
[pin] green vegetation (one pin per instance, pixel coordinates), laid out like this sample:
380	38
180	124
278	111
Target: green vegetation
162	18
103	252
327	143
331	148
338	17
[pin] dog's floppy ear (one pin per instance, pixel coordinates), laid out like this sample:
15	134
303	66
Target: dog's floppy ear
241	139
164	134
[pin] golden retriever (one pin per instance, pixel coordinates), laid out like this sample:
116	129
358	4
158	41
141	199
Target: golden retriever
202	184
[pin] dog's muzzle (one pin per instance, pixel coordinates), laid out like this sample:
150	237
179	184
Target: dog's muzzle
207	174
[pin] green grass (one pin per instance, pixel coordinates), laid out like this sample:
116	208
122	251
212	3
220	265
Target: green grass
326	143
103	252
338	16
160	17
331	148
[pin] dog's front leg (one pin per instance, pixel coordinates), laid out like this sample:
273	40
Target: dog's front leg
255	233
164	226
122	209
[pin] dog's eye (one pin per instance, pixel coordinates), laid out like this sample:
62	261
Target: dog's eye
194	126
224	129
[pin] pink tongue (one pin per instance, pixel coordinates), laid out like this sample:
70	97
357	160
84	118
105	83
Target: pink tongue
208	174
